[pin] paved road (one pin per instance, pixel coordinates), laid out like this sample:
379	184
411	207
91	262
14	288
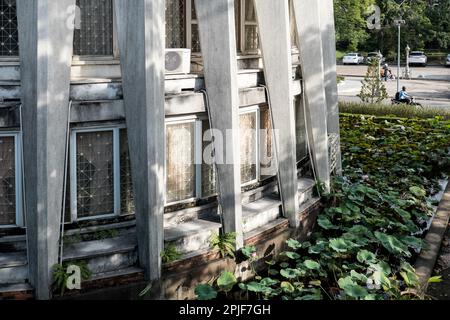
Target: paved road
435	93
427	73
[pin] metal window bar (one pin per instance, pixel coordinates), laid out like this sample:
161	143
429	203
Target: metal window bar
9	35
95	37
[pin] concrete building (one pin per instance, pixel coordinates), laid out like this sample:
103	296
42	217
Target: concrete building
105	111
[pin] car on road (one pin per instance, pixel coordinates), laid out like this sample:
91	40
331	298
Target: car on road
447	61
374	55
418	57
353	58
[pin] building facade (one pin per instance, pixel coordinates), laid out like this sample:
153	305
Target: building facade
106	108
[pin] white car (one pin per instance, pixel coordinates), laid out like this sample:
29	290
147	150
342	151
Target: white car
418	57
447	61
353	58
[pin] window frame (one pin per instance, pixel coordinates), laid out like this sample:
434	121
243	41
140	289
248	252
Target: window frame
82	59
246	110
240	34
243	23
115	129
198	156
18	176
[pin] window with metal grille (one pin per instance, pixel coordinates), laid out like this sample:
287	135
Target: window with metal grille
258	160
9	35
250	27
267	158
248	126
175	24
208	168
95	35
10	181
180	161
100	174
192	24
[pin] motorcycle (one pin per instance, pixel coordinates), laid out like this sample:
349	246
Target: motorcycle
396	101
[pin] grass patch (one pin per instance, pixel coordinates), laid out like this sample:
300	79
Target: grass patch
401	111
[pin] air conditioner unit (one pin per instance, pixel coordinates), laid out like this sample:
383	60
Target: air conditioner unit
178	61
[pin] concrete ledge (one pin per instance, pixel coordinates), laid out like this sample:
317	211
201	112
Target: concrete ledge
427	259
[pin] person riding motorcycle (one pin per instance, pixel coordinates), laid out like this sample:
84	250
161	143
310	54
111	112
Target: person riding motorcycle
403	96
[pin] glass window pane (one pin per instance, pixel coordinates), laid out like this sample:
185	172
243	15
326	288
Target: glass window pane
7	181
95	174
195	38
248	146
251	38
250	11
9	36
180	162
208	168
175	24
126	182
95	37
267	157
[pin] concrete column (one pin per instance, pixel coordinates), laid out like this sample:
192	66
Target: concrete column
46	37
311	58
274	33
329	62
141	35
218	41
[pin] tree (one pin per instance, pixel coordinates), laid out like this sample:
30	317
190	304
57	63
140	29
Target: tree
427	25
373	89
351	26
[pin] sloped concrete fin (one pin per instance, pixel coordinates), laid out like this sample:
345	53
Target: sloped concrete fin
274	31
141	30
311	56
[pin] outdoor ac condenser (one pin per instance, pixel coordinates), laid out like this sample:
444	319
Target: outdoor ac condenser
178	61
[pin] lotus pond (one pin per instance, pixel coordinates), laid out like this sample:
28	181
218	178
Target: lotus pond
372	225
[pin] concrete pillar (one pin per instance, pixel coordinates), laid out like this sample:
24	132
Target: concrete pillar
311	59
274	33
46	37
141	35
218	41
329	62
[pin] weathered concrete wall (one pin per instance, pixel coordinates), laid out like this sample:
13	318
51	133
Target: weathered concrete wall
311	56
277	57
46	37
218	41
141	31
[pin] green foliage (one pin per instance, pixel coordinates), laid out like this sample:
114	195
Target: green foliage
60	275
170	253
374	219
351	26
373	89
225	243
226	281
426	25
401	111
224	284
205	292
249	252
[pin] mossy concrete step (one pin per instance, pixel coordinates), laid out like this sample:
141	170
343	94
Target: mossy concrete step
13	243
305	190
13	268
191	236
105	255
259	213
